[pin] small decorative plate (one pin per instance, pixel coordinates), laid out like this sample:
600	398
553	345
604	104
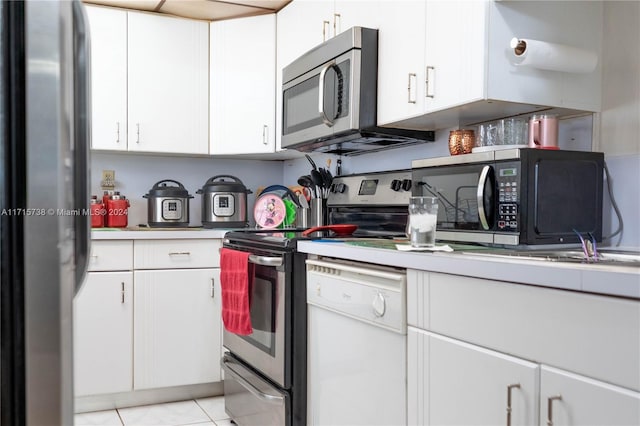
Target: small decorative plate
269	211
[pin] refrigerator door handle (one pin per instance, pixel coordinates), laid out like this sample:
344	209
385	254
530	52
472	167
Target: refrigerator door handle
82	139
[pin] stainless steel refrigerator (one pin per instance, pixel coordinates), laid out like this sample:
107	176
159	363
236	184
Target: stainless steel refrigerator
44	189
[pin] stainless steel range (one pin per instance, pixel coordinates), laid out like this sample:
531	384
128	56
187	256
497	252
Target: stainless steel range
265	372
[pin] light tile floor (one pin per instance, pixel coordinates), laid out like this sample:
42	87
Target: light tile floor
201	412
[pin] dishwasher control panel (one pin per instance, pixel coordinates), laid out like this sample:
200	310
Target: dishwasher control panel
374	295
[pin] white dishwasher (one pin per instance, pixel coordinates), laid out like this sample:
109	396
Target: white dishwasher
356	340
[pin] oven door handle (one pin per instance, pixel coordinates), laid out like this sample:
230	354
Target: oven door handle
265	260
271	399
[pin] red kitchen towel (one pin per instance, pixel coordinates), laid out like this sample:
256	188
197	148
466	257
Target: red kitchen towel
236	275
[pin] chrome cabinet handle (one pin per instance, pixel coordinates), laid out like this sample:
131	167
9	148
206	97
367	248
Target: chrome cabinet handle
117	132
336	28
321	110
180	253
265	260
271	399
325	30
550	408
509	387
482	214
138	132
429	81
265	134
212	290
122	293
412	75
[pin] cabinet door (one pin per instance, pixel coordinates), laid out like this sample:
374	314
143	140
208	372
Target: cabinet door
455	54
584	401
243	78
103	329
108	78
355	13
168	84
451	374
176	327
401	73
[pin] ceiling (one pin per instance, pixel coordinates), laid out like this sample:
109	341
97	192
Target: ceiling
209	10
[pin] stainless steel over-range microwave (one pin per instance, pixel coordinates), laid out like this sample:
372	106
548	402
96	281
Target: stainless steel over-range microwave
329	99
515	197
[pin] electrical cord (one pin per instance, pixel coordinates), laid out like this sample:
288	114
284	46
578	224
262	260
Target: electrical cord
614	204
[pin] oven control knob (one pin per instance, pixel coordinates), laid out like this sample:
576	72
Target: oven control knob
396	185
341	187
332	188
406	184
379	305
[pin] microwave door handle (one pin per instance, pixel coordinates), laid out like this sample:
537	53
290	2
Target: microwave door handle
480	196
326	120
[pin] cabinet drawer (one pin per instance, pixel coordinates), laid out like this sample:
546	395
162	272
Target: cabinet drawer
111	256
596	336
176	254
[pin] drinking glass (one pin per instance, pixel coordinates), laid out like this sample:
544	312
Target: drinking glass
423	215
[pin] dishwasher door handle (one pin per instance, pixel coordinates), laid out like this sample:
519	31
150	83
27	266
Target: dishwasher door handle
225	363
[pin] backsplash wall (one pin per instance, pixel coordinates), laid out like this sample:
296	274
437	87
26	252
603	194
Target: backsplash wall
137	173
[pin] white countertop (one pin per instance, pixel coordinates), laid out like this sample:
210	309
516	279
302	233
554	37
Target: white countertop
610	280
156	233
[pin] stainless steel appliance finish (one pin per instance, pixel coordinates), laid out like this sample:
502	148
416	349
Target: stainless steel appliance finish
266	358
330	99
224	202
515	197
249	399
265	347
376	202
167	205
44	147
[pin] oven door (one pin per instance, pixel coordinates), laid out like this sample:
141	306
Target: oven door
264	349
319	103
466	200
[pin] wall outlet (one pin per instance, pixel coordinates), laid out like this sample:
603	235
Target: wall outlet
108	179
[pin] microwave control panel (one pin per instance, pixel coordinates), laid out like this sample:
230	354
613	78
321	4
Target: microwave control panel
508	192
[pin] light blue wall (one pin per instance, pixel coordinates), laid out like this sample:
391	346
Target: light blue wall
137	173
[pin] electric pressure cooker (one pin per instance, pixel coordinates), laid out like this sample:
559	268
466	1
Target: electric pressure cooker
224	202
168	205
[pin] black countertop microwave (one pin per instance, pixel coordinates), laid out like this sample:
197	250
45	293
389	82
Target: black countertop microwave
330	99
515	197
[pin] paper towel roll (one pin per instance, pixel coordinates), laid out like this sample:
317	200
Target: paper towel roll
552	56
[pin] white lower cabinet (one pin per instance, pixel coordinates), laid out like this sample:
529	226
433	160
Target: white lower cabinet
103	328
176	327
138	326
446	375
568	399
484	352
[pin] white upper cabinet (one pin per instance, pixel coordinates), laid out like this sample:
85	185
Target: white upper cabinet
467	73
243	85
108	29
454	55
149	82
401	60
168	84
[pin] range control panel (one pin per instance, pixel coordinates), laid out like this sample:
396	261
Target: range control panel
383	188
508	191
